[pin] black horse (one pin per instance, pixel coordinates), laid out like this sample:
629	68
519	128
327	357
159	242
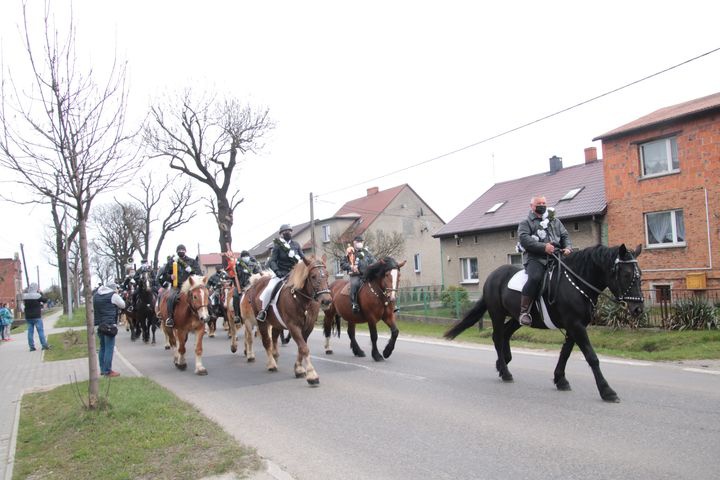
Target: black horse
573	293
143	312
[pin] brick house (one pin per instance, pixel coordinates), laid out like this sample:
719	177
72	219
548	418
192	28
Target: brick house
662	188
397	209
484	235
11	283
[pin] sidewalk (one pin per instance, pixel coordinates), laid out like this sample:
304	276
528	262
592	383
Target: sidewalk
29	373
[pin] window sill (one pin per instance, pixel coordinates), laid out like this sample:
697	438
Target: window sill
665	245
417	271
469	282
657	175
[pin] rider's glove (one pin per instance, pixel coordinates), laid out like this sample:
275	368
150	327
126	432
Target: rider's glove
188	269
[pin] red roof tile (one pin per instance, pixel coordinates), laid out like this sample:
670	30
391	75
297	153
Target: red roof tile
693	107
370	206
516	195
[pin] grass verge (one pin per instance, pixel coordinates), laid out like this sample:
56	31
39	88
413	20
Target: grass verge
77	320
67	345
643	344
143	431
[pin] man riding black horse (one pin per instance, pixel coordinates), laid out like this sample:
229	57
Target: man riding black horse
356	262
176	272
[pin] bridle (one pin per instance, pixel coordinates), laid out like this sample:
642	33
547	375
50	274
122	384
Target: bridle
387	291
190	303
622	298
317	293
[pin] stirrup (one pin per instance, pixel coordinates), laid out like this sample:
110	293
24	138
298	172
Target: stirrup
355	308
170	323
525	319
261	316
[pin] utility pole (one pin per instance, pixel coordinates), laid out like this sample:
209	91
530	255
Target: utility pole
27	278
312	225
37	267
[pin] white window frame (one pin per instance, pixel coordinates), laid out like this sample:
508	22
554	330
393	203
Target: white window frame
669	142
466	264
673	230
572	193
325	233
338	271
417	263
458	241
514	255
495	207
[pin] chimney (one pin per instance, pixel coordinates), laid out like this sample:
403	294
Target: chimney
372	191
555	164
590	155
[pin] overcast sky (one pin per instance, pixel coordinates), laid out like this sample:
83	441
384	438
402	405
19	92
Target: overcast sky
359	90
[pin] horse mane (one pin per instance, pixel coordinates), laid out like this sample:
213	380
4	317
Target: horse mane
299	273
199	282
585	260
257	276
379	268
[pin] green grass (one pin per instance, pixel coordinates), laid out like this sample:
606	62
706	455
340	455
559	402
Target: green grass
67	345
643	344
141	431
77	320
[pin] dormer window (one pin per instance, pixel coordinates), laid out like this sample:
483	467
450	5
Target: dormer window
571	194
495	207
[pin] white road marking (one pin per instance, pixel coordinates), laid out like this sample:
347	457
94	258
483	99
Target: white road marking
700	370
370	369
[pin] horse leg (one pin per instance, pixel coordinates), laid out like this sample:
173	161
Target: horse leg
372	327
199	367
327	329
582	340
276	333
267	343
501	345
559	378
303	365
357	351
212	326
180	339
232	334
249	351
394	332
145	328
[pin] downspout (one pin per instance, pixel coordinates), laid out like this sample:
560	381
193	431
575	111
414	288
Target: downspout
442	267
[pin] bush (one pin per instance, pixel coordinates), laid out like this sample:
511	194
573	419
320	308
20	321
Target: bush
453	295
693	314
610	314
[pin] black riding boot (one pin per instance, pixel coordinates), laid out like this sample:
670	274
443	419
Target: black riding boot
354	287
525	304
170	323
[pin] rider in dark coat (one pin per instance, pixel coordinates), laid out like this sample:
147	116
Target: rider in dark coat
246	267
357	260
186	266
539	234
286	253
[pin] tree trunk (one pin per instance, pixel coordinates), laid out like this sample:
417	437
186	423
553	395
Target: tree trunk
225	223
94	381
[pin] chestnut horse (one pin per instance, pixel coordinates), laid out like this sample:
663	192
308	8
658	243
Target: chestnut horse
297	307
377	297
191	313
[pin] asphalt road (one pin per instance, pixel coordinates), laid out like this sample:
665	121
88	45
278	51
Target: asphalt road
437	410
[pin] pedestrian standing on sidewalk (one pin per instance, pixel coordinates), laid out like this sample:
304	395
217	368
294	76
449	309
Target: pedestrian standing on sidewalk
6	320
106	303
33	302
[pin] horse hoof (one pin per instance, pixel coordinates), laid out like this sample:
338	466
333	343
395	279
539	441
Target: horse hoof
272	369
233	349
359	353
612	398
563	385
181	367
212	335
251	360
300	375
507	377
167	347
313	382
387	353
377	357
202	372
328	352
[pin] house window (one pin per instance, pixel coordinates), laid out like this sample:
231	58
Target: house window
469	270
326	233
665	228
476	239
338	270
571	194
495	207
417	263
458	241
513	233
662	293
515	258
576	227
659	157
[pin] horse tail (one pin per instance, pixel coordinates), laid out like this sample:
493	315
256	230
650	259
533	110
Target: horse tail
337	324
470	319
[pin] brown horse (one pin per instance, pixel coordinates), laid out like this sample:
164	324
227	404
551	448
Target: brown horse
191	313
298	304
376	297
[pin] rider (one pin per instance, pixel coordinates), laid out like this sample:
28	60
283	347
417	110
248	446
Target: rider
246	267
357	260
144	267
217	278
128	286
183	266
540	234
286	252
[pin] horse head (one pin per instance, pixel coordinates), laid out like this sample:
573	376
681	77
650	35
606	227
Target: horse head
198	296
625	280
387	272
312	277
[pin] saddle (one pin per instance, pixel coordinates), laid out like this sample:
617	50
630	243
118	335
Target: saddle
518	281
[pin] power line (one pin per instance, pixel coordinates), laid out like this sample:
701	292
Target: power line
515	129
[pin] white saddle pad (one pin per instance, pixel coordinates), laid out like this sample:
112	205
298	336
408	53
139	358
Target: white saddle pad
517	282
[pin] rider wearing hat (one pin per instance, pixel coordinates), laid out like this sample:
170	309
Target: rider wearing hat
357	260
184	266
286	252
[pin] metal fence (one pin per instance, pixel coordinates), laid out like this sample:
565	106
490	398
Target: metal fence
432	303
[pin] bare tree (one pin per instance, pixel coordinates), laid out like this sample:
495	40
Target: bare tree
178	214
202	139
63	236
63	138
114	223
103	267
379	243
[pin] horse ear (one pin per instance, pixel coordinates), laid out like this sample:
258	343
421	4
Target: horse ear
191	280
402	264
638	250
623	251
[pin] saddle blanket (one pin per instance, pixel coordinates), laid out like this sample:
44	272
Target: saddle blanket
517	282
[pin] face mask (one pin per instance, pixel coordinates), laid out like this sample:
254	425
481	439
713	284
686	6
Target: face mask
287	236
245	259
540	209
358	245
181	254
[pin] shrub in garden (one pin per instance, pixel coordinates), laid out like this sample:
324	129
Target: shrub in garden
615	316
693	313
453	295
